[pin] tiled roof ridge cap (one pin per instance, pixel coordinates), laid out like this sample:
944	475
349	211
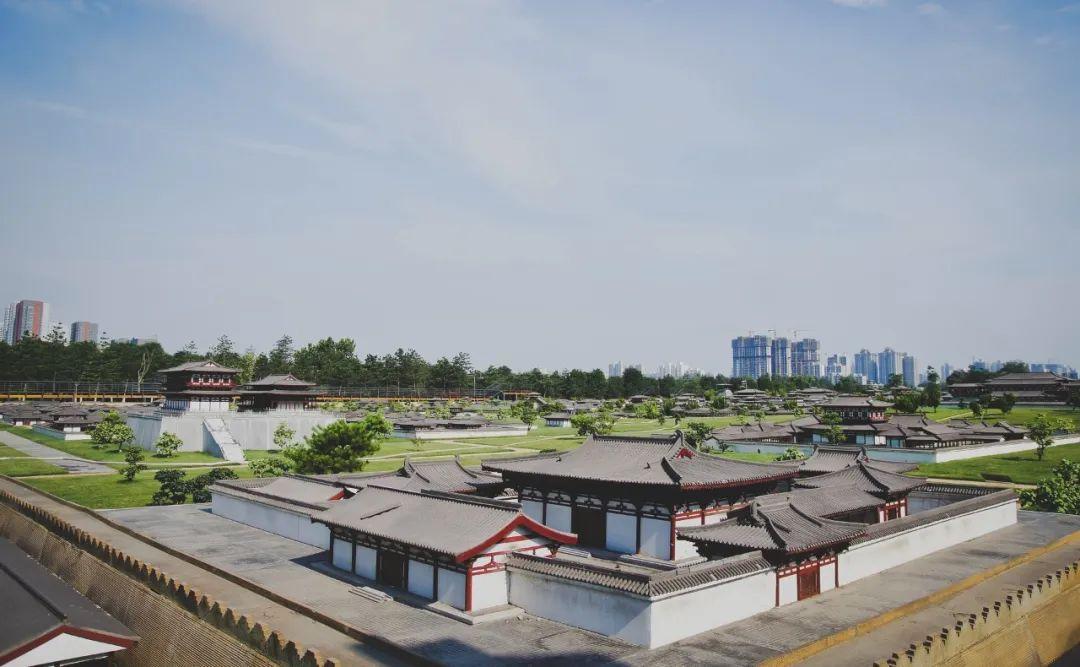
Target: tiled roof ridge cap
463	499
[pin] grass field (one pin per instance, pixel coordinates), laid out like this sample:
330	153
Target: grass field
27	467
110	491
749	456
6	451
1019	416
1020	468
83	449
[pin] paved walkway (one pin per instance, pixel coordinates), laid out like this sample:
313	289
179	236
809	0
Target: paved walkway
291	568
311	634
50	455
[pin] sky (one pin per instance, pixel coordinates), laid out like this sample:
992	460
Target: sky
552	184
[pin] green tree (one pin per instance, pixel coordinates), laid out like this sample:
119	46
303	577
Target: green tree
908	402
1073	399
525	411
270	466
167	444
895	380
112	431
593	423
835	433
1005	403
173	487
791	454
339	446
976	408
280	359
931	395
697	433
200	486
1060	492
133	461
1042	430
283	436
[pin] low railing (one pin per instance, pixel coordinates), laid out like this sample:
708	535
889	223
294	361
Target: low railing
78	387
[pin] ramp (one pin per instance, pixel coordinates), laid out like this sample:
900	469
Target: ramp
227	446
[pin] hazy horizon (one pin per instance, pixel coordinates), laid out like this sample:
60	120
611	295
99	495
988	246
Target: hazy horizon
549	185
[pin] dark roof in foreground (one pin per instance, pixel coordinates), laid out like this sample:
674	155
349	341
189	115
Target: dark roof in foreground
446	475
827	501
456	525
866	477
38	605
659	461
206	365
830	459
776	523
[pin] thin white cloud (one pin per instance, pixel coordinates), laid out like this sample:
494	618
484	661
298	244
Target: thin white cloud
1072	8
930	9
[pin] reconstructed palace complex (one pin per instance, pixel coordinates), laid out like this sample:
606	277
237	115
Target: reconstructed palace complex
1037	388
644	539
864	422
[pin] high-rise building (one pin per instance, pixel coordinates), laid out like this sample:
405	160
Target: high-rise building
805	358
29	317
7	327
888	365
866	365
780	349
980	365
84	332
910	366
751	356
946	371
614	369
836	367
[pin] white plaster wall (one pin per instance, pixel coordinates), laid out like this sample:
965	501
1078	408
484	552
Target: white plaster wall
828	577
293	525
421	579
452	588
621	533
863	560
639	621
558	517
533	509
489	590
656	537
685	549
789	589
252	430
365	562
450	434
343	555
902	455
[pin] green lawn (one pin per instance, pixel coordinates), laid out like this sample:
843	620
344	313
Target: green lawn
6	451
83	449
1021	468
750	456
26	467
1019	416
110	491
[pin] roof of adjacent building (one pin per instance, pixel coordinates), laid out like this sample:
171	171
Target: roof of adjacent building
452	524
202	365
826	501
826	459
284	380
855	402
776	523
660	461
866	477
1027	378
39	605
447	475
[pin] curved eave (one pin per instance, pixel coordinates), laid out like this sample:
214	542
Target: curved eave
519	521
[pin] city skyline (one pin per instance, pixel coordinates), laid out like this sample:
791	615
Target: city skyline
282	141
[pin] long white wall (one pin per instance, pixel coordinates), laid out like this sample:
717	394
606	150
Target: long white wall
252	430
293	525
902	455
867	558
637	620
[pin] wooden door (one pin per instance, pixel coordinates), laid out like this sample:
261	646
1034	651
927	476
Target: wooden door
809	583
392	569
590	526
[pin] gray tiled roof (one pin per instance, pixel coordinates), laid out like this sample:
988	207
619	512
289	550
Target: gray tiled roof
830	459
206	365
865	477
284	380
36	602
662	461
776	525
825	502
615	575
450	524
855	402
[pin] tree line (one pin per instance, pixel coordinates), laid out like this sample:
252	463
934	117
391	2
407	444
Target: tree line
336	363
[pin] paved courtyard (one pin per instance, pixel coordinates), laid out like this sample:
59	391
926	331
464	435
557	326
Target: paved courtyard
294	569
50	455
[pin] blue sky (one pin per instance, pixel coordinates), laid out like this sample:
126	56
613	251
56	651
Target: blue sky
547	183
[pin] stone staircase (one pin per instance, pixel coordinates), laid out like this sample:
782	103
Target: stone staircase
227	446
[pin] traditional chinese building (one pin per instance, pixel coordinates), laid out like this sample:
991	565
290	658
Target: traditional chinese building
890	487
628	494
199	386
277	392
443	547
